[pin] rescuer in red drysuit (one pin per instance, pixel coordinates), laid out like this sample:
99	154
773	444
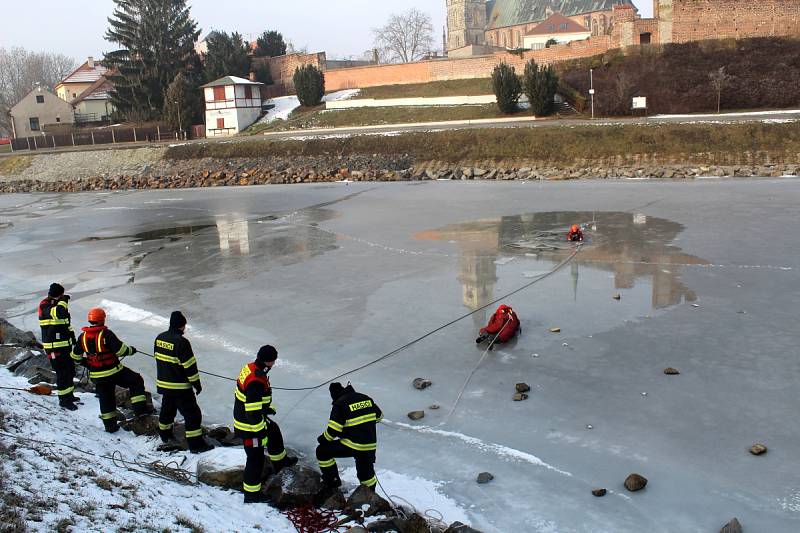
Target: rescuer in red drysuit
575	234
502	327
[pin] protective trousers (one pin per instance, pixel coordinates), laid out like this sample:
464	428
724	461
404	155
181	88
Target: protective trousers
254	449
365	463
107	394
184	402
64	367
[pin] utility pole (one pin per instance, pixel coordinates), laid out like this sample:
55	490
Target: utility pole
180	119
591	89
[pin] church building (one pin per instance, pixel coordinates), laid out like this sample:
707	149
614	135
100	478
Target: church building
478	26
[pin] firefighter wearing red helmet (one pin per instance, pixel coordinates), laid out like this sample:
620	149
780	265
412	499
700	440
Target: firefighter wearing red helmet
100	351
575	234
502	327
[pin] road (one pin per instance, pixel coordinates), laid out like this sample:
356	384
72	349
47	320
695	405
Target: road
724	118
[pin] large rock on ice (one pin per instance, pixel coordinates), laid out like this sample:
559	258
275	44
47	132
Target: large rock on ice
222	467
458	527
635	482
732	527
366	500
294	487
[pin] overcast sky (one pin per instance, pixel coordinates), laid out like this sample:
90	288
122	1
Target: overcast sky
341	28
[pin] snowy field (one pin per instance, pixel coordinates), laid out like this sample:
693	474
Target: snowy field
284	105
336	275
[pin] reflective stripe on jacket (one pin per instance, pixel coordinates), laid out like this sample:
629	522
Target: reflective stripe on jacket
100	349
176	366
251	393
353	420
54	321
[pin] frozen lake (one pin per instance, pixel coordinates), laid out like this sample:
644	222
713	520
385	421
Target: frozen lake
337	275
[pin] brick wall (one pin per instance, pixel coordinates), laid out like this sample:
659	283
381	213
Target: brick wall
694	20
456	69
282	68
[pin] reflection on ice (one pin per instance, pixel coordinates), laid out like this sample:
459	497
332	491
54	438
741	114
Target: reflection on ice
631	246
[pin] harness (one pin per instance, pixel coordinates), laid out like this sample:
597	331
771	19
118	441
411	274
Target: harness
98	357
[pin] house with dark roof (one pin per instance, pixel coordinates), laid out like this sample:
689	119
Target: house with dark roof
504	23
94	104
556	29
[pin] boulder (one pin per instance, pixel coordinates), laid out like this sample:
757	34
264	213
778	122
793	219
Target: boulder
635	482
599	492
520	397
422	383
26	359
12	335
38	374
671	371
458	527
222	467
335	502
732	527
523	387
294	487
617	297
366	499
758	449
555	330
143	426
484	477
416	415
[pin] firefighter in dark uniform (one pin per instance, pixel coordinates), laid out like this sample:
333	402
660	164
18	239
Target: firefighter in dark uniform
251	409
177	375
351	432
57	340
100	350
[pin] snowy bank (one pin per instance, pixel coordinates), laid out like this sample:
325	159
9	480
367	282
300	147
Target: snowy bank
284	105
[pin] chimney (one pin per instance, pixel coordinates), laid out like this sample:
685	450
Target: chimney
90	62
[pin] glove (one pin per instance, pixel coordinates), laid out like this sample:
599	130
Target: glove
321	439
271	411
197	387
133	350
66	297
483	337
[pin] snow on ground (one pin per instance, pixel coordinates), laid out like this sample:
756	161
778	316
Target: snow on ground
284	105
94	494
90	493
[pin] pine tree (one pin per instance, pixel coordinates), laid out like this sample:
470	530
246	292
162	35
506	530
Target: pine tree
270	44
227	56
506	87
156	41
179	103
309	82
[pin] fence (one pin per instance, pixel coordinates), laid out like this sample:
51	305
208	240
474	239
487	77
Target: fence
94	137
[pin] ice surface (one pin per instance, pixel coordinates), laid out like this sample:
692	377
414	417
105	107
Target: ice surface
336	275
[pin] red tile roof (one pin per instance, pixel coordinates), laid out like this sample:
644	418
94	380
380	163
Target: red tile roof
557	23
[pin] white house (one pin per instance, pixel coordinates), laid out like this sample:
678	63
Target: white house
232	104
556	28
38	109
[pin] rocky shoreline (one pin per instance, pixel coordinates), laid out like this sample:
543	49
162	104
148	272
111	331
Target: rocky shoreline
207	172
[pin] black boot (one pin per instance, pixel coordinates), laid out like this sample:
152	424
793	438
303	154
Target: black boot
69	406
200	447
255	497
286	462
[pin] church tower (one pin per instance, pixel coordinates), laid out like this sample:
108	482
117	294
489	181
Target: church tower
466	23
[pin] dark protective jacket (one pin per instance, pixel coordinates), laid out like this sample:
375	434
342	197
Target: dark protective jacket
176	366
575	236
54	320
354	417
253	403
504	322
99	349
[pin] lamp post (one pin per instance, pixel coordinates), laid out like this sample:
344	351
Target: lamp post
180	119
591	89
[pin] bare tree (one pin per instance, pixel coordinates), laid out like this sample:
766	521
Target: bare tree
21	71
405	37
719	80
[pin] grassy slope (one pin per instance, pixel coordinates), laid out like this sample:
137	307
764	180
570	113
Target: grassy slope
474	87
371	116
557	145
